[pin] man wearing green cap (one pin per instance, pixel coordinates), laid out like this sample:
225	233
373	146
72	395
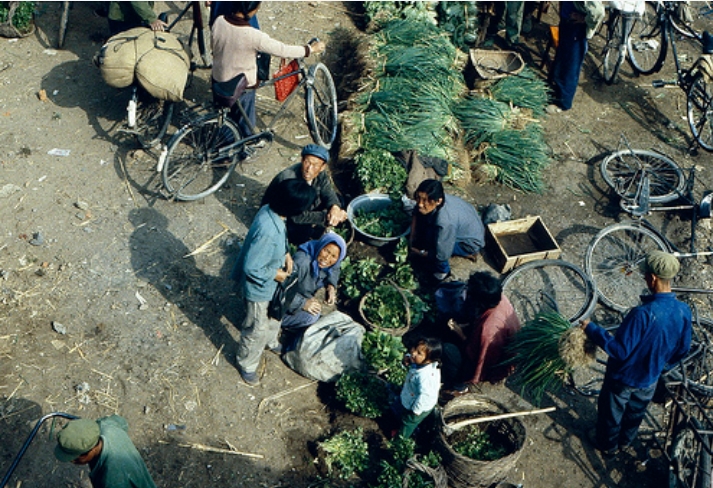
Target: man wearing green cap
653	337
326	209
105	446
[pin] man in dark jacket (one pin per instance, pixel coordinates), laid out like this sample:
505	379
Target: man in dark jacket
653	336
326	209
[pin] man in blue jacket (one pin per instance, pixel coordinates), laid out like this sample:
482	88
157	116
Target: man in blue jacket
653	336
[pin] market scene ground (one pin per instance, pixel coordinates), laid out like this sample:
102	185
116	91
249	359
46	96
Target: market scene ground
114	299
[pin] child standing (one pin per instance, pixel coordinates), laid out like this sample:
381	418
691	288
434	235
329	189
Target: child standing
419	394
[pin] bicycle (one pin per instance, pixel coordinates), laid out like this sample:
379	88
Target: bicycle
63	19
200	157
623	17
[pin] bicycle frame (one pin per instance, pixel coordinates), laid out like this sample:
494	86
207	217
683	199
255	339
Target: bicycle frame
683	76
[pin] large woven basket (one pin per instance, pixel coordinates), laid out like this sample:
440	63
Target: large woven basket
398	332
464	472
492	65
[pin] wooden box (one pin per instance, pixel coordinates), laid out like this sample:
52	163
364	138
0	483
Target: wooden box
516	242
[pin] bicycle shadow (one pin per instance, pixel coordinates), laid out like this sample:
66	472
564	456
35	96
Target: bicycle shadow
164	262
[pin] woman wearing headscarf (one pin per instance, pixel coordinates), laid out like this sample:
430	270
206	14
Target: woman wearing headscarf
317	264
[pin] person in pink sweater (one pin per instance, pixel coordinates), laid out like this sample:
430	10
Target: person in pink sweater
235	47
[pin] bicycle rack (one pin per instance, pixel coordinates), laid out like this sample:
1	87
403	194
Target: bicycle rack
30	437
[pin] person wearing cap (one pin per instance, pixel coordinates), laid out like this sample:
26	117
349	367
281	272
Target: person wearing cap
105	446
326	210
653	337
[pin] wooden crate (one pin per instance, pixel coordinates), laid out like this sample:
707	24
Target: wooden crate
516	242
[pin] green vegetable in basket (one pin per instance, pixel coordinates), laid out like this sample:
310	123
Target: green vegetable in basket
380	170
346	453
477	445
22	17
363	394
384	354
384	307
390	221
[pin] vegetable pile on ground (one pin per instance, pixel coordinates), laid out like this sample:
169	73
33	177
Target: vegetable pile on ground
539	350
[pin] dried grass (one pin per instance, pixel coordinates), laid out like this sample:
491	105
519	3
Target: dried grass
575	348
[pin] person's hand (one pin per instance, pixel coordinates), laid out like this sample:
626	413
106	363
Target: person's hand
289	264
583	323
336	216
419	252
407	359
330	295
158	25
317	47
312	306
281	275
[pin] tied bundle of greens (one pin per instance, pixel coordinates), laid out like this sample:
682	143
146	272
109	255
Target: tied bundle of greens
525	90
520	156
480	118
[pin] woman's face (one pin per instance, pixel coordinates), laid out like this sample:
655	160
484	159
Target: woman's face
328	256
425	205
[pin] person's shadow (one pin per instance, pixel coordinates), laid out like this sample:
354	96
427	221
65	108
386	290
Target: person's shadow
163	261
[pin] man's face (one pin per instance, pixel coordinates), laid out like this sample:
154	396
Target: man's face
311	167
425	205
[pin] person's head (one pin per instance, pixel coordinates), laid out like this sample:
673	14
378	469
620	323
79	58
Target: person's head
429	196
484	290
325	253
289	198
244	10
314	161
426	350
79	442
659	269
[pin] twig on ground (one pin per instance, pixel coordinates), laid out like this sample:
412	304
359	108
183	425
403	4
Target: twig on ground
281	394
210	241
203	447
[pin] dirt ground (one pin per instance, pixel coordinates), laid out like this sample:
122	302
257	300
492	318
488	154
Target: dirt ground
89	247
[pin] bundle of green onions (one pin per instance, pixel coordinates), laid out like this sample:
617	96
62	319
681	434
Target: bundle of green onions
520	156
525	90
537	351
480	118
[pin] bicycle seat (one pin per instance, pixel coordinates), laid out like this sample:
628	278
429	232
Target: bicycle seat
226	93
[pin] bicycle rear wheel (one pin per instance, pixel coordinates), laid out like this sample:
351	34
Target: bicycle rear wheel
613	263
194	167
691	461
614	52
647	45
700	112
623	170
550	285
698	364
152	122
322	106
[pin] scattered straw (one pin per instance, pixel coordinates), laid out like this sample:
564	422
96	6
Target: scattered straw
265	400
575	348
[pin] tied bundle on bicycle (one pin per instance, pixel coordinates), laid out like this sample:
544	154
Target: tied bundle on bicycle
156	60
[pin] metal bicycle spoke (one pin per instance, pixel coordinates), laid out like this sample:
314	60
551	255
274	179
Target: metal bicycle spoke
647	45
700	112
623	172
614	259
691	461
615	48
549	284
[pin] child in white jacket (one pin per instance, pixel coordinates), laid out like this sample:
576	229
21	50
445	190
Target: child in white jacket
419	394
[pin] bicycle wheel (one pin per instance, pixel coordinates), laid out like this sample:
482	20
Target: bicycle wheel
687	20
698	363
647	45
623	170
322	106
700	112
614	51
550	284
152	122
613	263
63	18
193	167
691	461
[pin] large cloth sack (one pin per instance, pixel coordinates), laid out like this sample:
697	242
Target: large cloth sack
328	348
163	70
118	57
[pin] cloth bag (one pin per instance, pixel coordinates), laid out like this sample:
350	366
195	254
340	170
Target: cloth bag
263	66
283	296
163	70
328	348
285	86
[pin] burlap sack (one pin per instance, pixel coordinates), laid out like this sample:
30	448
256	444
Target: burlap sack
163	70
118	57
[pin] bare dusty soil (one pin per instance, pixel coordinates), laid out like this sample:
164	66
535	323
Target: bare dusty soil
106	308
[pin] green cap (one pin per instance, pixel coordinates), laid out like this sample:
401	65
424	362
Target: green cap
662	264
76	438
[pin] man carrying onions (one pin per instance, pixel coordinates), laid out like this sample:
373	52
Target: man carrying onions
653	336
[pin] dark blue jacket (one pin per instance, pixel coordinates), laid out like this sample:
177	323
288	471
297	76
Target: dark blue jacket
652	337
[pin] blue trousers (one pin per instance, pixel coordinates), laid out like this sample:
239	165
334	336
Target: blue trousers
444	266
621	409
568	62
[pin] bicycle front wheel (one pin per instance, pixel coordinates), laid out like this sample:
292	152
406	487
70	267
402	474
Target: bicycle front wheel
550	285
194	166
700	112
647	45
322	106
614	259
614	50
623	171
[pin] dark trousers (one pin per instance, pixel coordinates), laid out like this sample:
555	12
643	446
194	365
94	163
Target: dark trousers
568	63
620	409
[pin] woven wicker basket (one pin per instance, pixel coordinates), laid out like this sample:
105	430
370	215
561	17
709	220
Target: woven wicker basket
398	332
492	65
464	472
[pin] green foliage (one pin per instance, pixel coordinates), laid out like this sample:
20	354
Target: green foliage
22	18
399	451
379	169
477	445
418	307
401	251
404	277
520	155
363	394
358	277
527	90
381	12
480	118
384	307
384	354
389	221
460	20
347	453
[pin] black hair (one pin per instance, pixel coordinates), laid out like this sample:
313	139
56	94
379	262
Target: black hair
484	292
289	198
433	190
243	7
433	346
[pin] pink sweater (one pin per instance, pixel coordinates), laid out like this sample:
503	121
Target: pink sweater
236	46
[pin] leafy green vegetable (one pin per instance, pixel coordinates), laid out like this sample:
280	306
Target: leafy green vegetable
401	251
363	394
22	18
384	307
404	277
346	453
384	354
477	445
358	277
389	221
380	170
418	307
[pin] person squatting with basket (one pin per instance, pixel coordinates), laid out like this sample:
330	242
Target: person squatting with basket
326	210
653	337
105	446
236	45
